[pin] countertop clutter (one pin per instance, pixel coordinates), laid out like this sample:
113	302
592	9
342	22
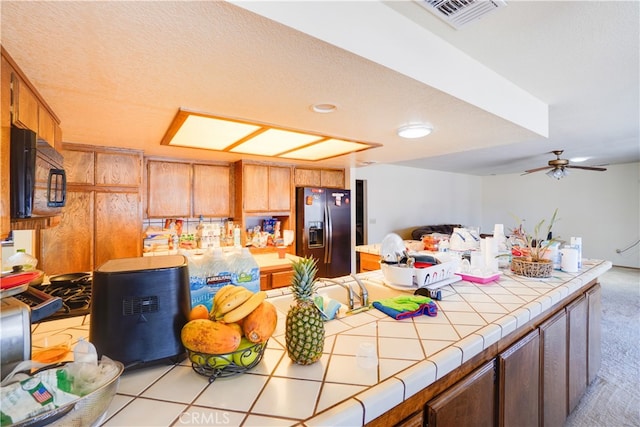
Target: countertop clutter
371	363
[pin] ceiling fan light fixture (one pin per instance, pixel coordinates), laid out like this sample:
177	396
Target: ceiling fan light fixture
414	131
557	173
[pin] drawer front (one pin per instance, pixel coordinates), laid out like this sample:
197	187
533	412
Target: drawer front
281	279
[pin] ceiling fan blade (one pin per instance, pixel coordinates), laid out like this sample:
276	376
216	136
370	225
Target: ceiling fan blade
589	168
537	169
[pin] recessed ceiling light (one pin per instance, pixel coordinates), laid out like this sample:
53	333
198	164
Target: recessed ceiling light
324	108
414	131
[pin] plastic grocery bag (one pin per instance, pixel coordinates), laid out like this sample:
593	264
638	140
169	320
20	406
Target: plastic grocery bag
23	396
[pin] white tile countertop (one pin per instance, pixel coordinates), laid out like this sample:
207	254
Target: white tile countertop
341	389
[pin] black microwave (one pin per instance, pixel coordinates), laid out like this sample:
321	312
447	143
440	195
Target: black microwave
30	161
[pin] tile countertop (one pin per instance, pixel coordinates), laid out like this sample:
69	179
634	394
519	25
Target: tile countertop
341	389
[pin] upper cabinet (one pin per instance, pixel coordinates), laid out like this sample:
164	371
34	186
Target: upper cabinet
211	190
265	188
22	106
168	189
28	111
309	177
178	189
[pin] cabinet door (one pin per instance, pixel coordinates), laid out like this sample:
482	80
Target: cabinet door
279	188
211	191
79	167
307	177
471	402
169	189
117	214
25	105
332	178
68	248
369	262
46	126
577	321
255	188
118	169
595	332
519	370
553	386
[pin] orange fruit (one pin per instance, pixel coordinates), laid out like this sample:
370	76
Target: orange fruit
199	312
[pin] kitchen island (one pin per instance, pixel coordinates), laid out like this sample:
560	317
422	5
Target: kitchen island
419	367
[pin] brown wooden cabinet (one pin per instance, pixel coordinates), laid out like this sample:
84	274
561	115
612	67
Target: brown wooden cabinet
265	188
25	105
186	190
470	402
553	377
103	216
22	106
275	277
211	190
577	351
168	189
518	379
368	262
310	177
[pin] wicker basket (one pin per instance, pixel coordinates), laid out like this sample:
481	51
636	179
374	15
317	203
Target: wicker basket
522	267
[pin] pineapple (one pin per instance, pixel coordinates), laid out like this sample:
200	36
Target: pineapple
305	328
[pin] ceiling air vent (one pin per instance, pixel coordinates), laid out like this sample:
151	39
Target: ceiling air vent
458	13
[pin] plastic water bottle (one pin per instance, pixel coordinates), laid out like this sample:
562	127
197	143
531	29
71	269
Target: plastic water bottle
85	352
576	242
218	275
246	271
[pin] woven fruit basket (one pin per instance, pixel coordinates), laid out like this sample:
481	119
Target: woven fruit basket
226	365
536	269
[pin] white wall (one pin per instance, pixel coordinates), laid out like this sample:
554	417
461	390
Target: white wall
601	207
400	199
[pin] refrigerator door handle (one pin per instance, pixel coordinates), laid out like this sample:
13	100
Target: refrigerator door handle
328	248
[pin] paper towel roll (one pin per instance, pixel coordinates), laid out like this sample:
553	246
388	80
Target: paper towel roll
569	261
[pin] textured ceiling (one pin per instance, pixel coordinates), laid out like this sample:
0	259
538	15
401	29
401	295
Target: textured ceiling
116	73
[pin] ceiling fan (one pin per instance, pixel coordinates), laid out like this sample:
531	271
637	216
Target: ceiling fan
558	167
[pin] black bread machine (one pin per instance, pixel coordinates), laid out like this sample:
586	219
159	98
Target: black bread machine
138	308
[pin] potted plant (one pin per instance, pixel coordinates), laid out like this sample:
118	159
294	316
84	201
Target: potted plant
531	248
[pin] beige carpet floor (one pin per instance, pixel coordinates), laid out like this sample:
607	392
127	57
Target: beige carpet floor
613	399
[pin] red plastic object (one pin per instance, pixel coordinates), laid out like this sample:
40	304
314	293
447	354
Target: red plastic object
19	279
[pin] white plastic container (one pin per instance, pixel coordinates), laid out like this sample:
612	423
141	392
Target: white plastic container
21	258
576	242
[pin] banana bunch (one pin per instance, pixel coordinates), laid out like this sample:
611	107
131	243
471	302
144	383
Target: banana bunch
233	303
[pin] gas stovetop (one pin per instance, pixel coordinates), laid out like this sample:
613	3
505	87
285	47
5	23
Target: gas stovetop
58	299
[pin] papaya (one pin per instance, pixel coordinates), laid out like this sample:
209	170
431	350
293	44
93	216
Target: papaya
210	337
259	325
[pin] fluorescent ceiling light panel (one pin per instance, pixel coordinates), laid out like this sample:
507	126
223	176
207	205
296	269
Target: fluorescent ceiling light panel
199	130
325	149
209	133
274	141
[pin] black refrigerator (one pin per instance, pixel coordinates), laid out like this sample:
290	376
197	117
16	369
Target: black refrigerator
323	229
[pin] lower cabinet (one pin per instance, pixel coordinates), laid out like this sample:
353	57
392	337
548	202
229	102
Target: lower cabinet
518	389
553	378
471	402
368	262
538	379
577	313
275	277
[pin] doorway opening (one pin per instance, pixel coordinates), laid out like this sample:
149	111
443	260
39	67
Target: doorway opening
361	212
